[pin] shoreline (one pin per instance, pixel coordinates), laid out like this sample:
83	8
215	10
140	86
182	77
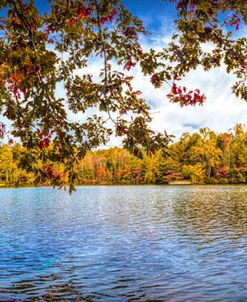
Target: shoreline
125	185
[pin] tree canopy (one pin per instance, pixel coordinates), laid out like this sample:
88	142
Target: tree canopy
41	51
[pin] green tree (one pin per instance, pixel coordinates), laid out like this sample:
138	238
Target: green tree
206	151
8	168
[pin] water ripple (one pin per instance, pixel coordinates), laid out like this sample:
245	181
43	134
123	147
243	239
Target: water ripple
128	243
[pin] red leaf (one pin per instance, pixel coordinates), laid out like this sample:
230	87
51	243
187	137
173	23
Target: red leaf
70	21
102	20
112	15
14	76
138	92
154	78
10	141
82	14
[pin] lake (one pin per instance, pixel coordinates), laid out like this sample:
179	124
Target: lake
124	243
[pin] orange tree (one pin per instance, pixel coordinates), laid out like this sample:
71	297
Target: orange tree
38	52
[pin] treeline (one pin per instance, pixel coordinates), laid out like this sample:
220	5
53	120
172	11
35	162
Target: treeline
204	157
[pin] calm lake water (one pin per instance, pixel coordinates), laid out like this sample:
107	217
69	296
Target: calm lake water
128	243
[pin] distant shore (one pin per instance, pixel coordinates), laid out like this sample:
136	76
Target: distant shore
4	186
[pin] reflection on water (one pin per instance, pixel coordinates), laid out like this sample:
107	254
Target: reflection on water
124	244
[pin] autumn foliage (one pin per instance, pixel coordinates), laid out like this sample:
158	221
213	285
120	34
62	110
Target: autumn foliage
197	158
40	52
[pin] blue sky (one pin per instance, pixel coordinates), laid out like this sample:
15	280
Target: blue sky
138	7
150	11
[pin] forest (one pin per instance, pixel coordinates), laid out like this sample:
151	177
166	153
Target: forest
202	157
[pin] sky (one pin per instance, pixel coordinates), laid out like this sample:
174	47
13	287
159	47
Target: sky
222	109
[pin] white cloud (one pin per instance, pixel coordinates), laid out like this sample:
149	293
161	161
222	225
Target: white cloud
221	111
